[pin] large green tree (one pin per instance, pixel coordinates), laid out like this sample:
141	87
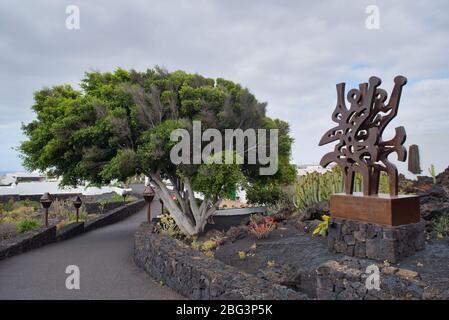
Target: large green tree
119	124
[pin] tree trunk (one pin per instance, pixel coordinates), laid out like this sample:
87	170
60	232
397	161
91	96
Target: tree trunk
189	217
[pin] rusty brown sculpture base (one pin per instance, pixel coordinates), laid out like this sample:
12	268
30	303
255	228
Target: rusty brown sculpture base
381	209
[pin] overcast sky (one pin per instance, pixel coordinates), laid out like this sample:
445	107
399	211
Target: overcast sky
288	53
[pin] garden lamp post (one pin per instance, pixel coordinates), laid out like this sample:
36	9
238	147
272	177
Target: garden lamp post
148	194
77	203
125	193
46	201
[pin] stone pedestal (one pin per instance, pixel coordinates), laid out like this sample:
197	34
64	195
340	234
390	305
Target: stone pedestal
375	241
380	209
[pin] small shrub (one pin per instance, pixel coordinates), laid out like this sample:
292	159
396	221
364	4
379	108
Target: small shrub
28	203
8	230
60	208
209	254
441	226
62	224
9	205
242	255
168	226
27	225
209	245
196	245
82	216
263	228
18	214
321	229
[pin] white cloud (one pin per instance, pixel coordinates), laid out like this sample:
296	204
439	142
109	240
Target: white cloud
290	54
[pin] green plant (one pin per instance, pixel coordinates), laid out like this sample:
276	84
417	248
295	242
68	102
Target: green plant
321	229
9	205
28	203
82	216
196	245
60	208
441	226
315	187
168	226
209	245
27	225
121	123
433	173
261	229
102	204
209	254
242	255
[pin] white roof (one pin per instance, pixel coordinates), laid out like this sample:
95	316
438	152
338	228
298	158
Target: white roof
30	188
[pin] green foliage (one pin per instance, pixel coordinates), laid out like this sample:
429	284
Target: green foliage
82	216
118	125
268	190
441	226
196	245
18	213
316	187
217	180
209	245
28	203
27	225
264	194
9	205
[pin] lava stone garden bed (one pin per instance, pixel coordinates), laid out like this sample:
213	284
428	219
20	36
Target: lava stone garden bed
290	262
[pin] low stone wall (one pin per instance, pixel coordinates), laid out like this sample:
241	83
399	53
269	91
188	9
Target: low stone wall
70	231
114	215
373	241
42	236
28	241
36	197
346	280
95	207
195	276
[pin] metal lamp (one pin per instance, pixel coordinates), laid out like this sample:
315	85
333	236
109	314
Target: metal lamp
46	201
77	203
148	195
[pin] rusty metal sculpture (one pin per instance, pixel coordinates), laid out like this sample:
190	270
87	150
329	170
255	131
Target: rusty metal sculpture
359	131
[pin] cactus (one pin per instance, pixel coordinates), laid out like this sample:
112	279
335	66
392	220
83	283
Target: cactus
433	173
316	187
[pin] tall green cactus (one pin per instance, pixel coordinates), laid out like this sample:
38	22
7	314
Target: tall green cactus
433	173
315	187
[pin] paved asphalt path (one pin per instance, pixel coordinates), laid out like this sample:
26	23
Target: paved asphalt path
104	257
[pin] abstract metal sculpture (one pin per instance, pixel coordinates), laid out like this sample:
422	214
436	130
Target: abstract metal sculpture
359	132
